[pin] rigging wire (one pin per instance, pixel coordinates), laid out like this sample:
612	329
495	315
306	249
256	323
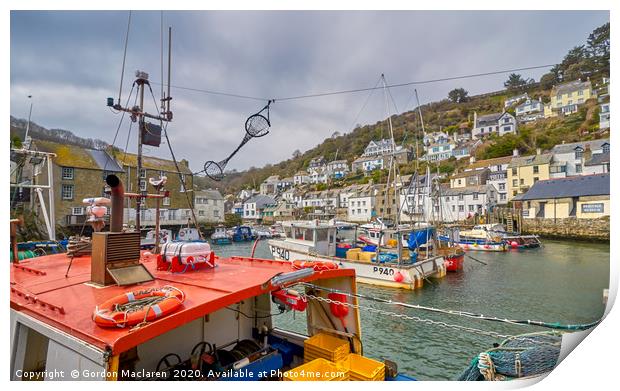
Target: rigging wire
552	325
365	103
176	164
120	89
118	128
356	90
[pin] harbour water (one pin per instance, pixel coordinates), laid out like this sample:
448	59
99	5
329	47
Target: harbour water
560	282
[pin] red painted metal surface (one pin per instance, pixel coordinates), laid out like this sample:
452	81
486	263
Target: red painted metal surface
40	294
454	263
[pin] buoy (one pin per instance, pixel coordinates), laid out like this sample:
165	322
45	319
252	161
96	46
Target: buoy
398	277
165	301
514	244
487	246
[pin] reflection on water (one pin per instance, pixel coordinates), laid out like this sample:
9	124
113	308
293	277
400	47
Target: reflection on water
561	282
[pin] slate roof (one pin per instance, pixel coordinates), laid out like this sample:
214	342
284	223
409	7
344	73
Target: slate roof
490	162
465	174
570	147
480	189
260	200
532	160
597	159
575	186
152	163
209	194
489	119
567	88
69	155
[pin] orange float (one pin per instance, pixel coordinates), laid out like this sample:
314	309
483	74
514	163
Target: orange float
316	265
132	308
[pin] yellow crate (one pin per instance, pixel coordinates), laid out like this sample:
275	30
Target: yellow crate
317	370
326	346
367	256
362	368
353	254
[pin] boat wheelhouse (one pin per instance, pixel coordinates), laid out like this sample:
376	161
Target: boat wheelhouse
53	332
390	265
220	236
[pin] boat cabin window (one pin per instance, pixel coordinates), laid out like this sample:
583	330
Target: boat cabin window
321	235
31	354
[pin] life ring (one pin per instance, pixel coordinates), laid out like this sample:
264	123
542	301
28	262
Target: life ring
164	301
181	234
316	265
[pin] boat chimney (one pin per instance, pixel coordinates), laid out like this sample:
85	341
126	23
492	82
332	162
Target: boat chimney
515	152
117	198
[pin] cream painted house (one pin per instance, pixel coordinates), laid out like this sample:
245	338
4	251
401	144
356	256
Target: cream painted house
567	97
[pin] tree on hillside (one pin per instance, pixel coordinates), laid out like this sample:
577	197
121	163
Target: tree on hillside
548	80
458	95
515	81
296	153
598	49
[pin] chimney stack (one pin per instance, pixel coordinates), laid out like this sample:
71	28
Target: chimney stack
537	151
472	159
515	152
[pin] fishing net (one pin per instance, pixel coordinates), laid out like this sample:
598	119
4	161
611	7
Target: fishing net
257	125
519	356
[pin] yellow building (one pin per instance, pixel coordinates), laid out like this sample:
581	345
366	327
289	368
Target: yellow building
581	197
524	171
567	97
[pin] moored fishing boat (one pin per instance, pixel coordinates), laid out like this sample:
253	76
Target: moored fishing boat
392	266
126	314
497	232
242	233
452	237
220	236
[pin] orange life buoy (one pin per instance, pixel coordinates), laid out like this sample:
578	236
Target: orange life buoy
164	301
316	265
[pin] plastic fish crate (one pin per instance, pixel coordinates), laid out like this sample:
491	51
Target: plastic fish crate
326	346
362	368
317	370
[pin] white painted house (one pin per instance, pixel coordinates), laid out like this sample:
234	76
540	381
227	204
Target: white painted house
497	123
209	206
300	178
464	203
604	116
381	147
574	155
361	204
253	207
530	110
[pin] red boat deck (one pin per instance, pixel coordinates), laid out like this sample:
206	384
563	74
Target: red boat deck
40	289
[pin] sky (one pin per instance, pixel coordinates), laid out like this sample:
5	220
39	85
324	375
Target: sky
71	61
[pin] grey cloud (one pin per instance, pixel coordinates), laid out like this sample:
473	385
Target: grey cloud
70	62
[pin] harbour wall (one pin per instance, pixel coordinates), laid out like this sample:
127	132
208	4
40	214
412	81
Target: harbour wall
568	228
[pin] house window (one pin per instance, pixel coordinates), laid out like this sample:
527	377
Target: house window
535	169
67	173
67	192
460	197
352	211
471	208
166	201
514	171
461	208
506	120
453	208
578	168
502	186
447	198
78	211
515	182
502	196
475	196
535	179
522	181
507	128
216	212
578	153
580	100
142	173
201	213
142	185
182	183
580	93
605	148
459	181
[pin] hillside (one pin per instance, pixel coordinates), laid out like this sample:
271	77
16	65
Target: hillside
587	61
18	132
